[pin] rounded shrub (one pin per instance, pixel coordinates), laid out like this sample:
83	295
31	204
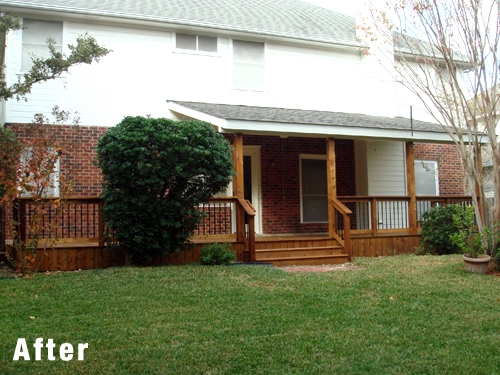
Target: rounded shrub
438	227
216	254
156	173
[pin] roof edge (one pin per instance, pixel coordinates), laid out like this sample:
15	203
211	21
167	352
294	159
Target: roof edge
176	21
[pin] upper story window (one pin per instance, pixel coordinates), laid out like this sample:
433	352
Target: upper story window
196	42
35	35
248	64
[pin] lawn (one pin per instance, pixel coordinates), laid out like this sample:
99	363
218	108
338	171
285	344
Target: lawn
397	315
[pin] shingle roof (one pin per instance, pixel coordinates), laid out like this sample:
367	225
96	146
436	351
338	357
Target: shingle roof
284	18
285	115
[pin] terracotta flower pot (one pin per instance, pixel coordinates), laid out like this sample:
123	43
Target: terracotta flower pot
478	265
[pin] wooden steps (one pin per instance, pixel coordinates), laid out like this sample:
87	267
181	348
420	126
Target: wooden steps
301	253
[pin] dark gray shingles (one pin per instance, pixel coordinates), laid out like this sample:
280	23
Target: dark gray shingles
286	18
308	117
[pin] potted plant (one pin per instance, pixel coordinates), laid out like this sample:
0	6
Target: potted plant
470	241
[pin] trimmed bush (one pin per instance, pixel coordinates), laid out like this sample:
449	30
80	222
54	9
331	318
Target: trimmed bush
217	254
438	227
156	174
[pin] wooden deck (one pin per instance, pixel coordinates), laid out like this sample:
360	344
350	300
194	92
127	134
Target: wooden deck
74	255
279	249
380	227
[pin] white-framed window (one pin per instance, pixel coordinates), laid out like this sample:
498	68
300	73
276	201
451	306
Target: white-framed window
196	42
35	35
52	188
313	189
249	64
426	177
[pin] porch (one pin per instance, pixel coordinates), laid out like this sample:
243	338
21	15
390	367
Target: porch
77	240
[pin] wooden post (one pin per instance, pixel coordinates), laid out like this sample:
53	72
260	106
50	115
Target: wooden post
331	178
21	220
347	237
411	190
251	237
239	185
374	216
100	235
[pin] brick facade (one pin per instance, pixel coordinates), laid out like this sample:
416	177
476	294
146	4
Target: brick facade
450	171
280	166
80	162
280	179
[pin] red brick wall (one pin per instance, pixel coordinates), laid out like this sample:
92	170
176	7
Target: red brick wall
280	179
79	164
450	171
280	176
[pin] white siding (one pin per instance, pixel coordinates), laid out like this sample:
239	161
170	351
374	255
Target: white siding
145	70
386	168
387	177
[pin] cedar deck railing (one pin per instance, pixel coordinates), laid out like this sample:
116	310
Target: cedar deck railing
76	219
377	216
232	219
227	219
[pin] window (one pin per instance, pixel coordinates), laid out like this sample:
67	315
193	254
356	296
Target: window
314	195
52	190
196	42
35	37
248	64
426	177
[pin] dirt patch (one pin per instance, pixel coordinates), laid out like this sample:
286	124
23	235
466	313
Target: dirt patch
493	271
324	268
6	271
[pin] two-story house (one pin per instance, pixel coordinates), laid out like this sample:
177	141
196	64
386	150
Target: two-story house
317	130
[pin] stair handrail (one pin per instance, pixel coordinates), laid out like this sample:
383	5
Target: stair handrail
249	211
346	213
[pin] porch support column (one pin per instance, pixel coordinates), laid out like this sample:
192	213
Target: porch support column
411	190
331	178
239	185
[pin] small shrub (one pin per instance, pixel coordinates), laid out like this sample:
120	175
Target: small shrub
216	254
437	228
468	239
420	250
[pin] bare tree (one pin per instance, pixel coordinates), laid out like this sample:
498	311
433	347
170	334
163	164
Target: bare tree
446	53
86	51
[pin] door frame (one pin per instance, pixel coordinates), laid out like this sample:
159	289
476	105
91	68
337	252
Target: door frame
254	153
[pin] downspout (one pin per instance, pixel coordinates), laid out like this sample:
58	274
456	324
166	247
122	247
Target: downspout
411	120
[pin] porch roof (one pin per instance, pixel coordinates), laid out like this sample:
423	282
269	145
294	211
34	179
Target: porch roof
309	123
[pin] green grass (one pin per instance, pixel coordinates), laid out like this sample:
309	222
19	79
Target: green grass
399	315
